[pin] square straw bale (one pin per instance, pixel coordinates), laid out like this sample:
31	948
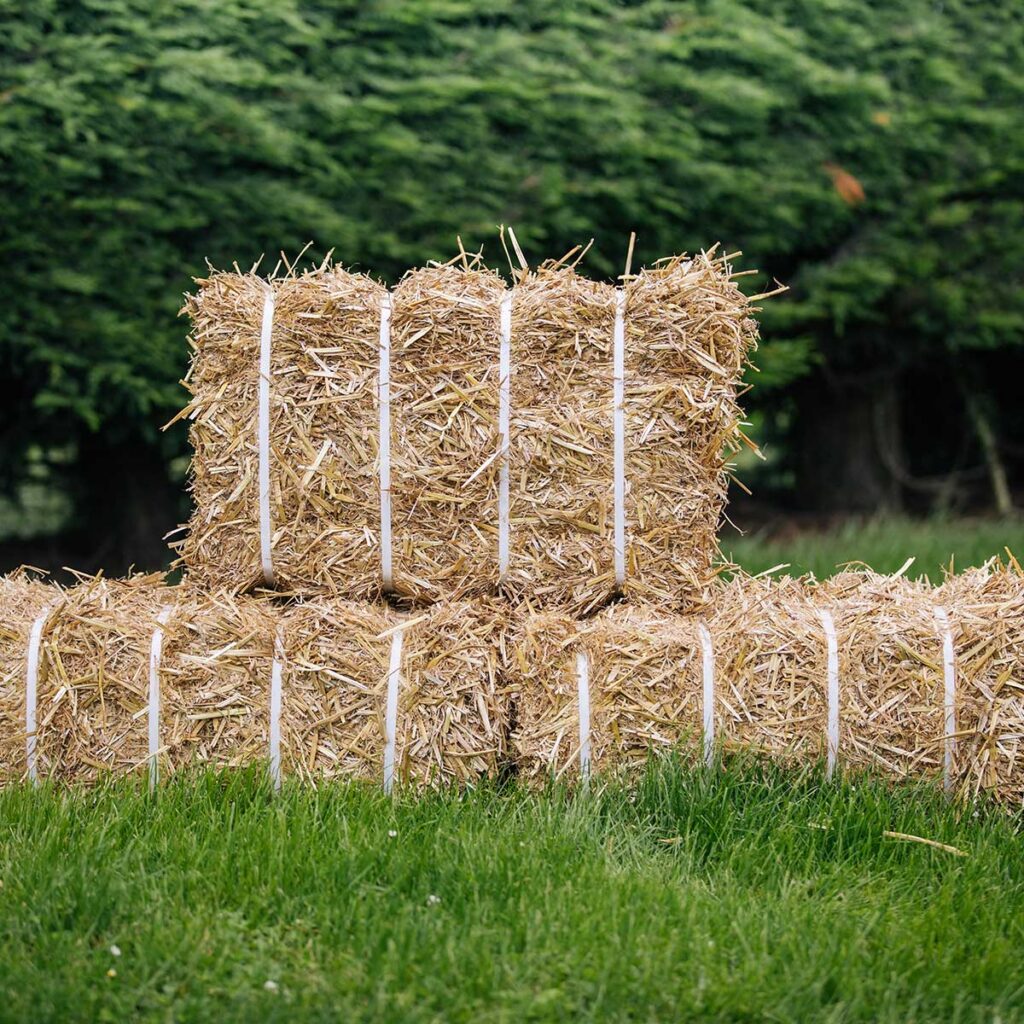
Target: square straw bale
986	612
93	698
445	342
645	681
324	493
23	598
215	682
689	333
453	707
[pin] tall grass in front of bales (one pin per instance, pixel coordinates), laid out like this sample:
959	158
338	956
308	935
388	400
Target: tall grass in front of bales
747	893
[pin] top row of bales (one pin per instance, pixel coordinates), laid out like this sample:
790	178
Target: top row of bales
687	331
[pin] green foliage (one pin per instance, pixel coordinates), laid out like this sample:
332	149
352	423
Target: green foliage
139	139
749	894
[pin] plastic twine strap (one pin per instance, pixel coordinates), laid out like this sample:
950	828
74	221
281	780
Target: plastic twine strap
156	646
263	436
583	703
275	711
384	407
391	712
832	646
619	428
504	402
949	698
708	652
31	691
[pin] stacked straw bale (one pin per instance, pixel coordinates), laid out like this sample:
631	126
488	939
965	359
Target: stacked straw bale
688	332
324	494
453	707
770	655
23	598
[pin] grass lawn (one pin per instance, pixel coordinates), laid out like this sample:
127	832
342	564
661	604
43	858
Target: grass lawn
747	894
884	544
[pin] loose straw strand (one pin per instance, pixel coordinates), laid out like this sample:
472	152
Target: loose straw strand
263	437
708	667
949	698
275	711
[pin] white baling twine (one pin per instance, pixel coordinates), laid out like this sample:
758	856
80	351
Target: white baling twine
31	691
384	406
949	698
833	691
391	712
504	401
708	652
156	646
583	704
619	428
263	437
275	711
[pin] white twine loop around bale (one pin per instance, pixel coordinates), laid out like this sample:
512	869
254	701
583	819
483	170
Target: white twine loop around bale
156	646
31	691
504	403
949	698
583	706
391	711
263	437
708	671
384	412
832	646
619	432
275	711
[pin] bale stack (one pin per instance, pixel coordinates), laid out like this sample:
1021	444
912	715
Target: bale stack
387	453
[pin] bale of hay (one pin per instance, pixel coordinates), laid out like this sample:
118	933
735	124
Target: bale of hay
324	498
93	694
421	514
23	599
689	334
452	716
985	608
445	341
643	682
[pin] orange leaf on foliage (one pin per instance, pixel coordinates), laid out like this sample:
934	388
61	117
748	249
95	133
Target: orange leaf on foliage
850	190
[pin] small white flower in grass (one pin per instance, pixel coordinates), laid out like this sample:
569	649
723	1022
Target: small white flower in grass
270	986
115	950
392	833
432	900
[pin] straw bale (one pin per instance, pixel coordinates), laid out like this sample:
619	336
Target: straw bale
324	494
986	612
453	708
23	597
445	341
93	694
644	681
689	333
215	682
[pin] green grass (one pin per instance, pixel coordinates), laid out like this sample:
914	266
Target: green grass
745	895
883	544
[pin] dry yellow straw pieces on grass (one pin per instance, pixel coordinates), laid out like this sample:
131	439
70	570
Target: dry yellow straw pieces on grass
324	499
452	712
23	599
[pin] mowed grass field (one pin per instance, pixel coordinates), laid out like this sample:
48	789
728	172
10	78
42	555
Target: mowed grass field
746	893
743	894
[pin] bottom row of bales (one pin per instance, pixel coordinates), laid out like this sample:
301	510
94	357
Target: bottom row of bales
478	689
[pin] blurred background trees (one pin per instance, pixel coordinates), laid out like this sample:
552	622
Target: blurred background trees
869	156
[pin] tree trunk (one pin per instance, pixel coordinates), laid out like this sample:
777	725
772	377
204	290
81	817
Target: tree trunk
846	436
